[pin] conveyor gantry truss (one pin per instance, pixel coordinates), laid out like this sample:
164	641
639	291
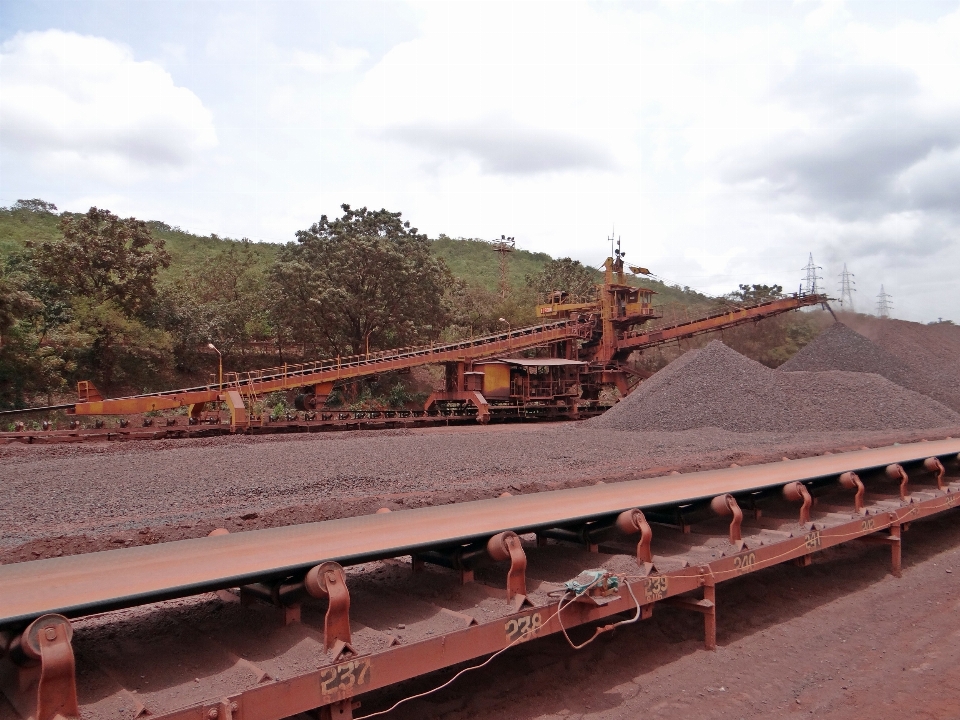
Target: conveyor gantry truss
293	619
586	345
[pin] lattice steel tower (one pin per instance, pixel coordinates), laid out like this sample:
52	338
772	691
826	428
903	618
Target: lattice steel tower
811	285
884	304
847	289
503	247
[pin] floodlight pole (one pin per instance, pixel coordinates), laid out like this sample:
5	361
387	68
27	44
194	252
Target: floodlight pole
220	355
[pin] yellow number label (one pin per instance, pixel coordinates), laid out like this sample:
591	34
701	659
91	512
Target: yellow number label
341	678
812	540
744	563
655	589
866	524
523	628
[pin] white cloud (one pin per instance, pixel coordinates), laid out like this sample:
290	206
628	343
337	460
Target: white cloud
81	104
524	89
723	140
338	59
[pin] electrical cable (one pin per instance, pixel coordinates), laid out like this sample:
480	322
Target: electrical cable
600	630
560	608
449	682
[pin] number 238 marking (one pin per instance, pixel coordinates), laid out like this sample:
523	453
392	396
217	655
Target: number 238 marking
524	627
341	678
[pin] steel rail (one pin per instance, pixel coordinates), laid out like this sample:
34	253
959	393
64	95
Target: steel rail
96	582
718	321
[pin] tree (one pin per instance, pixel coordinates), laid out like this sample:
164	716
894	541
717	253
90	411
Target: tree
35	205
31	362
567	275
364	279
103	258
756	293
97	285
221	300
15	303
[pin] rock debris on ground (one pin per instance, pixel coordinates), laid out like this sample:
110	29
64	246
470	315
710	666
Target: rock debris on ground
67	499
716	386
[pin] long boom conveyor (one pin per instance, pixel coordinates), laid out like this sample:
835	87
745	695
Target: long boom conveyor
108	580
307	618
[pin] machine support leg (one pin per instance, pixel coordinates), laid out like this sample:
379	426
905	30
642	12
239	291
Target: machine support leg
895	550
852	481
894	541
47	640
507	546
706	607
896	472
710	617
342	710
797	492
328	581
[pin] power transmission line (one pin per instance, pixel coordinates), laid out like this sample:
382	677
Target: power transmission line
811	284
847	289
884	304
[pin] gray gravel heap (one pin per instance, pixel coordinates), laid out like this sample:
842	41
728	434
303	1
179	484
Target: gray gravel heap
840	348
718	387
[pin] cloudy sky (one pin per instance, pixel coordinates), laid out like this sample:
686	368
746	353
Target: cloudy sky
722	141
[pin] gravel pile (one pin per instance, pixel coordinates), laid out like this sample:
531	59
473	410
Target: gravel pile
840	348
66	499
932	352
718	387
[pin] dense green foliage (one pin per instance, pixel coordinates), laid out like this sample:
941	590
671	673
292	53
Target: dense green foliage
365	281
134	305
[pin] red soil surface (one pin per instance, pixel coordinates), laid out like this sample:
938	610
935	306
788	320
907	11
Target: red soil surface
68	499
841	639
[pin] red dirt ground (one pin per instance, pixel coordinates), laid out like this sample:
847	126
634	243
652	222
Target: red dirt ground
841	639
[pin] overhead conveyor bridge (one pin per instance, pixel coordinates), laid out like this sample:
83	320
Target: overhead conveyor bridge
338	588
595	346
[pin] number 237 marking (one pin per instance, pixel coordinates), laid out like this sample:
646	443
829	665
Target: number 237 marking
341	678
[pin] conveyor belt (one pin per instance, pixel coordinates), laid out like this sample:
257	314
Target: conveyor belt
96	582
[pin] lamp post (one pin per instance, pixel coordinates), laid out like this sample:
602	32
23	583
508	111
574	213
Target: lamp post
504	320
220	354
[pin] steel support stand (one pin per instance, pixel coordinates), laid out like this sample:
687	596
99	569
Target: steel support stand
342	710
327	580
45	679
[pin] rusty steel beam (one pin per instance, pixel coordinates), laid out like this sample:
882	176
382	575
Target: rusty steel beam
332	370
83	584
720	321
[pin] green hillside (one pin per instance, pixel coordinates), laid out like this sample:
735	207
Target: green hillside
472	260
186	249
476	262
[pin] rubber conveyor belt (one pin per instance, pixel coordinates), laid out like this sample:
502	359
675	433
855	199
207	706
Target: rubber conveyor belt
96	582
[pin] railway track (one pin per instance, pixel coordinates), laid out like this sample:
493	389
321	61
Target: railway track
300	422
292	619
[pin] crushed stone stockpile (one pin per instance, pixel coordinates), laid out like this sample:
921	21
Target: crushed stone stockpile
718	387
931	352
86	497
840	348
